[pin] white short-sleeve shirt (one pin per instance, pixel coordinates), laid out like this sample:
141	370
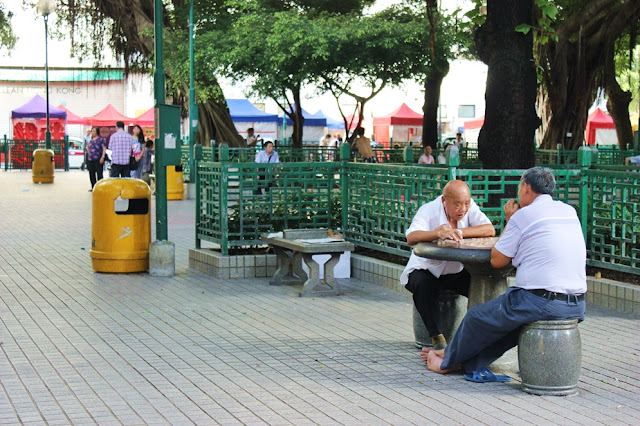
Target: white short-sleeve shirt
428	218
545	242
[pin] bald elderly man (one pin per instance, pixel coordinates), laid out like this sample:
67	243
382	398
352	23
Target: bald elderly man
453	215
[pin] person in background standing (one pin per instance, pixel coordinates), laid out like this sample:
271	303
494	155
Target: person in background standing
146	166
86	140
138	150
427	158
95	152
120	144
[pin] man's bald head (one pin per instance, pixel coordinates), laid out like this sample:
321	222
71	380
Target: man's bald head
456	199
456	188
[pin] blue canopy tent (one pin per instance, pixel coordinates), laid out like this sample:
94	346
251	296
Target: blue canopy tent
331	123
313	128
244	115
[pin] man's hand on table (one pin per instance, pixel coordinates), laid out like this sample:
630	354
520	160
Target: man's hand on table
447	232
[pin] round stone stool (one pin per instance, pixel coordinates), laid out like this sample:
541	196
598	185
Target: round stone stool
550	357
452	308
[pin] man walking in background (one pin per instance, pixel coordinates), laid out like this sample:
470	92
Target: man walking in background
120	144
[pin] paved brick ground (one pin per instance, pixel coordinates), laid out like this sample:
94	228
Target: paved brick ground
81	347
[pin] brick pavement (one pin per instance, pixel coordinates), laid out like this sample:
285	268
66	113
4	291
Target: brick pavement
84	348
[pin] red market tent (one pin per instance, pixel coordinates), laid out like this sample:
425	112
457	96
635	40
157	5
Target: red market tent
30	120
403	125
146	119
108	117
600	129
71	117
472	131
402	116
476	123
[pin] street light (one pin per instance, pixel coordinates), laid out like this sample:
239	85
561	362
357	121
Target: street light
45	7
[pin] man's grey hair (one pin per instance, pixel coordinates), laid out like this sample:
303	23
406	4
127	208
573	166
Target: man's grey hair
540	179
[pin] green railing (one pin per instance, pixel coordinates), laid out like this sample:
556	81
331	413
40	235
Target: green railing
382	200
613	227
240	201
17	154
373	204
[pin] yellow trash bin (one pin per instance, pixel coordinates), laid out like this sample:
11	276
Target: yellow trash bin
42	166
175	181
120	226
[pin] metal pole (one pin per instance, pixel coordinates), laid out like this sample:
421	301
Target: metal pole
159	94
47	135
193	116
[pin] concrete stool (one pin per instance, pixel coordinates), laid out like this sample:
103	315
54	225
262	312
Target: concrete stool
452	308
550	357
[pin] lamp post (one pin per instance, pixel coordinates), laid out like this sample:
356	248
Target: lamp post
193	108
45	7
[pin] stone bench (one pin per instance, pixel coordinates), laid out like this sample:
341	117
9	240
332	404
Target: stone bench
550	357
291	251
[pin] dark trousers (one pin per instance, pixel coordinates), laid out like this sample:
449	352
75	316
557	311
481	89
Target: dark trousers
120	170
426	290
95	171
489	330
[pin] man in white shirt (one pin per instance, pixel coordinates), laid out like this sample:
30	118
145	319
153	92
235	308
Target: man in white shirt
268	155
543	239
453	215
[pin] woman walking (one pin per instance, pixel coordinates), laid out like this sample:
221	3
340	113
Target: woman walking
137	150
96	149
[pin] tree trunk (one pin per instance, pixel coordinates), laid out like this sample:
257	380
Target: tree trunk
572	66
215	124
297	119
431	100
618	103
506	140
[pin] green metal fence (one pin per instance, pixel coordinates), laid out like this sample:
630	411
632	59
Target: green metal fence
240	201
17	154
382	200
373	204
613	220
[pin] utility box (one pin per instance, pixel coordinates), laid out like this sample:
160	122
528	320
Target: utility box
168	135
120	226
43	166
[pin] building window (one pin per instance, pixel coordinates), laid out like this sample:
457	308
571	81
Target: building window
466	111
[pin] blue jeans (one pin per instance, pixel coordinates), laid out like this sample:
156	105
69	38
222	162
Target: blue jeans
489	330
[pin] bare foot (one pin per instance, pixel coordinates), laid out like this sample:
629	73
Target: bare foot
434	361
426	351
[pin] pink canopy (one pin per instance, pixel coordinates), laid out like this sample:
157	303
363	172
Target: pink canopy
71	117
108	117
146	119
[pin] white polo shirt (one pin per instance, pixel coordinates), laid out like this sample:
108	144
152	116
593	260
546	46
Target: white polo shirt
428	218
545	242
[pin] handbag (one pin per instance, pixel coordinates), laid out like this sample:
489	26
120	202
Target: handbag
133	164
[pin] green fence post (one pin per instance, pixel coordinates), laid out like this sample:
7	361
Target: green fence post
407	155
224	186
345	156
584	162
197	154
559	155
6	153
66	153
453	161
594	155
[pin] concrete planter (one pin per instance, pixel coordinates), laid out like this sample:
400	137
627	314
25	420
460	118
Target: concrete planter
232	267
